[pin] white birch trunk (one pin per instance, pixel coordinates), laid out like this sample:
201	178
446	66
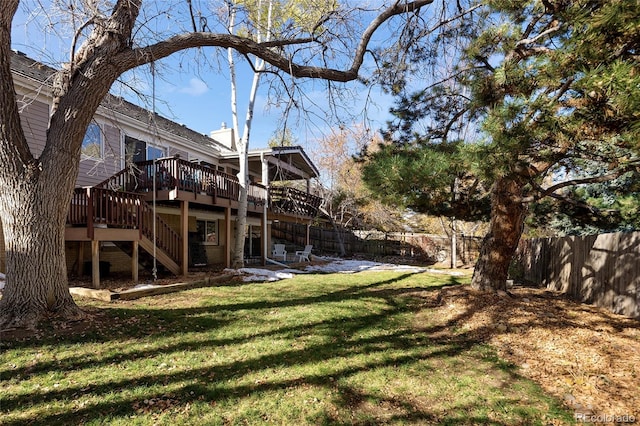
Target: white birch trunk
242	143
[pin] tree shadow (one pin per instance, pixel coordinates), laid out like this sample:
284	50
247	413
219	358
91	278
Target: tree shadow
579	347
366	334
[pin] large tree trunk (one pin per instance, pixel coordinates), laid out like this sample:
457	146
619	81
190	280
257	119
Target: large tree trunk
35	192
500	243
34	197
33	221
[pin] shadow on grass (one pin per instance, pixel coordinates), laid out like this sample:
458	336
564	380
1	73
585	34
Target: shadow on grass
366	335
225	372
125	324
193	318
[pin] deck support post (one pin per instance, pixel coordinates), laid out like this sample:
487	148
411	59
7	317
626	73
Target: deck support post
80	268
184	226
227	226
264	237
95	263
134	262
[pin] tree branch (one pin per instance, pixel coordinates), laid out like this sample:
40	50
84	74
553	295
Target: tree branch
550	192
14	150
535	39
451	122
132	58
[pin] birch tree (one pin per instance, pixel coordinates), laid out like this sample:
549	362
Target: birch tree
265	19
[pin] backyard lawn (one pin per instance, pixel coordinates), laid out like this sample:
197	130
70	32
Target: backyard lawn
363	348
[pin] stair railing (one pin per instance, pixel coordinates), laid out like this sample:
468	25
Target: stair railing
167	239
100	206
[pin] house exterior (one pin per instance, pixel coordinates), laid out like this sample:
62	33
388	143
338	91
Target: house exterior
151	188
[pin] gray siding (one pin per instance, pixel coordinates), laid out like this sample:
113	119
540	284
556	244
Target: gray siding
35	119
173	151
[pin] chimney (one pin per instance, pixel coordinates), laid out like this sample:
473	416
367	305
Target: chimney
224	136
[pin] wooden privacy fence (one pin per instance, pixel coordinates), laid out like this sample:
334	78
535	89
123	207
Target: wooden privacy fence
422	247
600	269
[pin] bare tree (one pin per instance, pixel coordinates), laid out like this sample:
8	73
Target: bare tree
265	20
111	39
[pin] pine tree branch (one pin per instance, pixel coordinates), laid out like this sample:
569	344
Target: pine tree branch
551	191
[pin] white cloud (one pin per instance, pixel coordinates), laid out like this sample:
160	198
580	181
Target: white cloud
196	87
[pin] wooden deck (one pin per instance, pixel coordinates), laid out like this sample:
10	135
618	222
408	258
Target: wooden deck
180	180
118	209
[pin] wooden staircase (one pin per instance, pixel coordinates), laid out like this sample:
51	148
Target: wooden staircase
99	208
161	256
168	243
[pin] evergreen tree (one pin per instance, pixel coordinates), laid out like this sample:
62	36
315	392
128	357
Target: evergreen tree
540	112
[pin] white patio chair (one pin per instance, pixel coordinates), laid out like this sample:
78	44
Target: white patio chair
303	255
279	251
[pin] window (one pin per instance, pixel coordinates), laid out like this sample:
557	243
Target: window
92	143
208	231
154	152
137	150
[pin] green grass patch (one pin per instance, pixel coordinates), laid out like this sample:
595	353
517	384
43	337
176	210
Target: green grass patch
315	349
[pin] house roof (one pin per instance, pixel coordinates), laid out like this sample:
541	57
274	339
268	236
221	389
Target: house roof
23	65
151	119
285	163
27	67
299	157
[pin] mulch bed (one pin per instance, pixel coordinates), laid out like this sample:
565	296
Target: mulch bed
584	355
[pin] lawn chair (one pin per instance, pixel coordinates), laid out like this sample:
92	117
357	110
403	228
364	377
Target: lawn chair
303	255
279	251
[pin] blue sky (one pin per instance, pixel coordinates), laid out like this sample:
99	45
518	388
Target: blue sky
200	98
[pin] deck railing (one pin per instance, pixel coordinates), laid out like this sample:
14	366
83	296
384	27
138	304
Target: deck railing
166	238
257	194
119	209
91	206
290	200
176	173
181	175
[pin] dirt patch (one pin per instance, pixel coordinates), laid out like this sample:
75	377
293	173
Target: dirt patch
120	282
583	355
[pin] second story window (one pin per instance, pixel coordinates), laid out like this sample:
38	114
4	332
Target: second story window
137	150
155	152
92	144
